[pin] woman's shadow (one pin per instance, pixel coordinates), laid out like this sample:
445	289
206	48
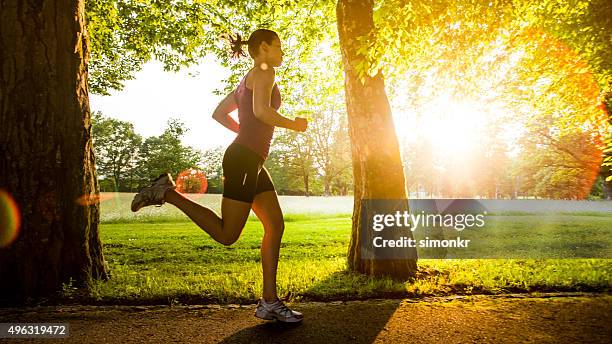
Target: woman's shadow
325	322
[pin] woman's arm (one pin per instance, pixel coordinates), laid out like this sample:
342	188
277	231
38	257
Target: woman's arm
221	113
262	92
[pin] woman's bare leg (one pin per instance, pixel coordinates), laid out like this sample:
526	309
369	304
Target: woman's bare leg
269	212
225	229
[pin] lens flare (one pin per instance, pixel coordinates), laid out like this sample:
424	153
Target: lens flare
10	219
191	181
91	199
589	122
547	125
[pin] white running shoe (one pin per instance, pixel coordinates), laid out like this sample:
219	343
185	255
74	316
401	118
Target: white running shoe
277	310
153	194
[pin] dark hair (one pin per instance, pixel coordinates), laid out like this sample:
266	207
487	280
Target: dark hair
254	42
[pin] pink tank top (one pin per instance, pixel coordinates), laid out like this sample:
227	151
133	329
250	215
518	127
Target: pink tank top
254	134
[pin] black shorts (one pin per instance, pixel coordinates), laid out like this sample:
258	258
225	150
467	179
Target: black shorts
244	175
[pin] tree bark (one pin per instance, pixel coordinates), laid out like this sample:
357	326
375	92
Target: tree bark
327	185
606	171
46	160
377	166
306	184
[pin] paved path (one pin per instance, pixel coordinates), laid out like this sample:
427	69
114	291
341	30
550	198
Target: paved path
558	318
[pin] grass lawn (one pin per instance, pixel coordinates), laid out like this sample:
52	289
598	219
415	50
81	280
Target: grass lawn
167	259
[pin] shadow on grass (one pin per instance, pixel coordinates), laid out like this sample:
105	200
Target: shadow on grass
346	285
338	286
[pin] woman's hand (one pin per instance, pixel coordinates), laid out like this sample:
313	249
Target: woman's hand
300	124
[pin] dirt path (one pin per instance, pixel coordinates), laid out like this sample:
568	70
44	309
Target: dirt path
555	318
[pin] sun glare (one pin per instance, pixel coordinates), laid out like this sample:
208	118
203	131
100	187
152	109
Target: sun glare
452	127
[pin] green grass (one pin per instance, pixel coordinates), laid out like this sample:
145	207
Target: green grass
544	235
176	262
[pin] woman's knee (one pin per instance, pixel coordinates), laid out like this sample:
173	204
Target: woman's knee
230	236
228	240
275	228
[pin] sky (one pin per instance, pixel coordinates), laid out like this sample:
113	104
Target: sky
154	96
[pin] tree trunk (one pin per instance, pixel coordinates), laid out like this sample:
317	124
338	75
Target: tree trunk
327	185
46	160
306	184
606	171
377	166
606	186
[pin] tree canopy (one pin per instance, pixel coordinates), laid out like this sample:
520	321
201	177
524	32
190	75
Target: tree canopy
125	34
536	63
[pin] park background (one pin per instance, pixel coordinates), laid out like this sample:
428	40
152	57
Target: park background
471	99
518	113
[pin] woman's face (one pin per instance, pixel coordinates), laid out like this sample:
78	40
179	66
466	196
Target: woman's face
274	52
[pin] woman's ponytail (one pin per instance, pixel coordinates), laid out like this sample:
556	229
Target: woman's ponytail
236	45
253	42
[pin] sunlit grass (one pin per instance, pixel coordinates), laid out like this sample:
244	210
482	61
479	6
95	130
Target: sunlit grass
172	262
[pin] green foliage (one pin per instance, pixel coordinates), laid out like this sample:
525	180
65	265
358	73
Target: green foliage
596	192
116	148
446	36
212	165
284	169
322	154
584	25
451	35
560	168
124	34
124	161
166	153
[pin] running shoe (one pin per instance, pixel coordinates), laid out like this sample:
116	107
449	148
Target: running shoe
153	194
277	310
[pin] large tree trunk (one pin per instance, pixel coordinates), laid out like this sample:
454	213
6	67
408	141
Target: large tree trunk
377	166
46	160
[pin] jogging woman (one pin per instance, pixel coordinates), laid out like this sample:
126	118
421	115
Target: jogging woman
246	182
